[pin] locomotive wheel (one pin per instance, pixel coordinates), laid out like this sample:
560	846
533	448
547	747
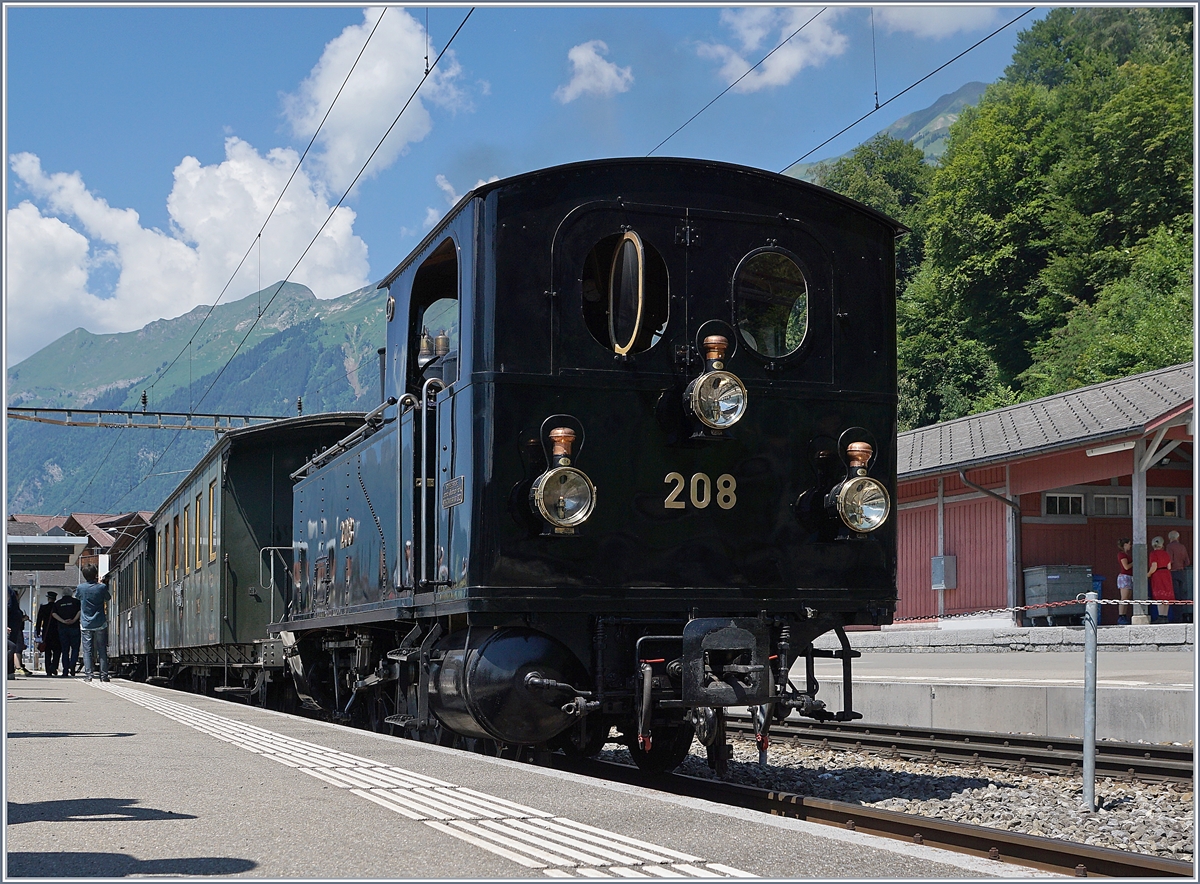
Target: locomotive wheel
668	748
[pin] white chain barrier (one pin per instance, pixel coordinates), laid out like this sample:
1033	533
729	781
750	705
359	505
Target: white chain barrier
1078	600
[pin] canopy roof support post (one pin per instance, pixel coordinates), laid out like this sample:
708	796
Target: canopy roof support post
1140	559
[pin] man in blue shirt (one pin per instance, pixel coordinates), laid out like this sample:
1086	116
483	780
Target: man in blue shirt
93	621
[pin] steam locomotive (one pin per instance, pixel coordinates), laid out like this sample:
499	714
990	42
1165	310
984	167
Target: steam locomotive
635	452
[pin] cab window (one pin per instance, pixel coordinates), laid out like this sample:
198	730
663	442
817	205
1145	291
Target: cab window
771	297
433	333
626	298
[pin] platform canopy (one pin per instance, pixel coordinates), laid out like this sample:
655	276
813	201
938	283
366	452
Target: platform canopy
43	552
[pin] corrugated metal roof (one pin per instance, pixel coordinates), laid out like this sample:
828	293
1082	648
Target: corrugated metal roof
1090	414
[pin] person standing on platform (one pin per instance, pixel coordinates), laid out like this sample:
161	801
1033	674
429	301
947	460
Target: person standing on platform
1124	578
66	615
15	620
46	631
1180	560
93	596
1161	587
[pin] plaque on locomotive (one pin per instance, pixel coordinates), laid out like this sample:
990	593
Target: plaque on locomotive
452	492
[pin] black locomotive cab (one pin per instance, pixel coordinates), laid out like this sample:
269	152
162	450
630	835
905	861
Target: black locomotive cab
636	451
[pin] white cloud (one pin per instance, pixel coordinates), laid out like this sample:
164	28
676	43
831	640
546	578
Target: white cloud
386	75
64	234
592	75
447	188
935	21
432	215
215	212
48	261
757	30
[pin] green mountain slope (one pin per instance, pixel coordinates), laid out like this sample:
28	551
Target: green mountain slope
79	367
321	351
926	129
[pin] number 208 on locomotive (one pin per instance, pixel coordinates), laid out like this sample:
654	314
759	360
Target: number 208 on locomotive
636	452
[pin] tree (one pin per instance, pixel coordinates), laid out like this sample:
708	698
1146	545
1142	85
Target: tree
944	372
1138	323
890	176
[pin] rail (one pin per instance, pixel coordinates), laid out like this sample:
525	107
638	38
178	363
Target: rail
1048	854
1019	752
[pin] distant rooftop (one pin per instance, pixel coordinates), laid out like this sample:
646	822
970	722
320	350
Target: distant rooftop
1111	410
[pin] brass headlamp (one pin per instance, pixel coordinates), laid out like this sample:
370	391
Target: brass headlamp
563	495
861	502
717	398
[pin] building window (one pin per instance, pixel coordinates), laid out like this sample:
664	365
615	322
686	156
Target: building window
1112	505
212	520
1064	504
1164	507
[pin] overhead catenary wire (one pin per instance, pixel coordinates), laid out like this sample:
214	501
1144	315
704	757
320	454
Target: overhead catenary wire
908	88
735	82
313	241
258	237
337	205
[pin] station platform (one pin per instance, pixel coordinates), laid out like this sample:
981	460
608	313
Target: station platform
1026	680
122	779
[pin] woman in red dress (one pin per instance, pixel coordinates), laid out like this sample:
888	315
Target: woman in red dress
1161	587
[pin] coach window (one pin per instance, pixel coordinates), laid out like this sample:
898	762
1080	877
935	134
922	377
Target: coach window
771	298
212	520
199	523
433	330
626	296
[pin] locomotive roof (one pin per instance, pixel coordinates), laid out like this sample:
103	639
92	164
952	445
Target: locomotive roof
264	433
618	162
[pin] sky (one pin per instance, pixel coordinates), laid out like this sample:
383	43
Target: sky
146	148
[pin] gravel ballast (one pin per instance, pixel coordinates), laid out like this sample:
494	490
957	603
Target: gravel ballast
1150	818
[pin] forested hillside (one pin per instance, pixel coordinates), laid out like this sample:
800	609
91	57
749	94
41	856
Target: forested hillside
1052	246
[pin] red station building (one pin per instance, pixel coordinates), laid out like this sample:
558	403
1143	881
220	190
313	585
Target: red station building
1056	481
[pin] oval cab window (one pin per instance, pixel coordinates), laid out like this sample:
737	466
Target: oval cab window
625	294
771	295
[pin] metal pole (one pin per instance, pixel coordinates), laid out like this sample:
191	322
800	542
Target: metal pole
1091	618
1141	613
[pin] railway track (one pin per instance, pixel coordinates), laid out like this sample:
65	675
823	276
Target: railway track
1016	752
1032	851
1047	854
